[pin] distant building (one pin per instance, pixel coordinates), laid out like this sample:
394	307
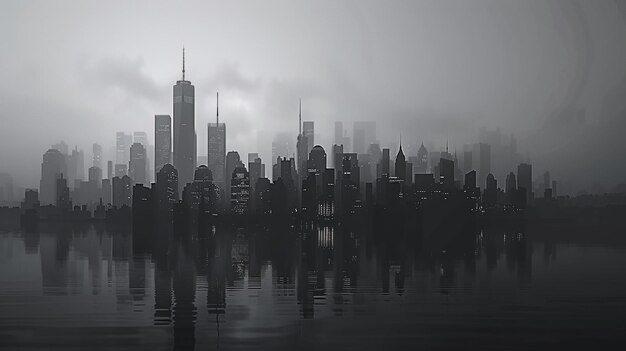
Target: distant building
524	180
52	168
162	141
97	156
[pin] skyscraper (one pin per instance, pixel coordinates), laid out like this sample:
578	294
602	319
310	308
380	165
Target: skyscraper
400	166
232	161
137	164
184	130
52	168
162	141
97	156
240	190
122	148
308	129
301	147
217	150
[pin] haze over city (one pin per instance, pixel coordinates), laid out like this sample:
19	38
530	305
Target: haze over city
552	73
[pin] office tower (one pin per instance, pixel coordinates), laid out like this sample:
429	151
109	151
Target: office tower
240	190
350	182
122	148
31	199
301	146
491	191
52	168
385	164
96	156
546	180
446	174
201	195
62	196
95	184
308	129
217	151
106	191
470	180
257	171
109	170
400	166
122	191
524	180
232	161
121	170
167	187
554	193
137	164
184	130
422	160
467	161
364	134
75	166
484	152
511	182
162	141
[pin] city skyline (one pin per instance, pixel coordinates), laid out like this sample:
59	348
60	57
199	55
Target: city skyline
123	91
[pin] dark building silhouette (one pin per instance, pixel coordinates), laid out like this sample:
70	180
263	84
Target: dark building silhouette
122	191
524	180
240	191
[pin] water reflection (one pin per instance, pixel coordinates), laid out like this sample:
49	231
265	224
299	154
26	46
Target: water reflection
294	287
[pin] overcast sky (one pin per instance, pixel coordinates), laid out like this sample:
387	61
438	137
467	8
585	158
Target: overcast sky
552	72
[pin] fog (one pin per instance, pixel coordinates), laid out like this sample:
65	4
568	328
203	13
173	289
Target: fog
551	72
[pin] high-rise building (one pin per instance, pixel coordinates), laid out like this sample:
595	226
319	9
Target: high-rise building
96	156
301	147
232	161
184	130
121	170
217	151
137	164
308	129
364	135
95	184
122	191
446	173
109	170
52	168
141	138
257	170
467	161
422	160
122	148
400	166
240	190
162	141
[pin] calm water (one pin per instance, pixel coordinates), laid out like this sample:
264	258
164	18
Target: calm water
90	288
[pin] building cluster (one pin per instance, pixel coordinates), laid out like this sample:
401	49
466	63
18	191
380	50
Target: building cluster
356	177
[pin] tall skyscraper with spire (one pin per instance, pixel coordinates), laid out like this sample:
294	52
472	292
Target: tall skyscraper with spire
184	130
217	151
301	147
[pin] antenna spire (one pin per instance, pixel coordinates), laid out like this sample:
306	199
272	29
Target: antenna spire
217	111
183	63
300	117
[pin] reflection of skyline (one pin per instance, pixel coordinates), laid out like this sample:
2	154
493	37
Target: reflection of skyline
234	281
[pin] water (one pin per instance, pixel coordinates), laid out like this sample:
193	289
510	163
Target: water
86	287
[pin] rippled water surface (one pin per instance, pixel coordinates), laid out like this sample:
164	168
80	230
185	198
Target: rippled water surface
89	288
